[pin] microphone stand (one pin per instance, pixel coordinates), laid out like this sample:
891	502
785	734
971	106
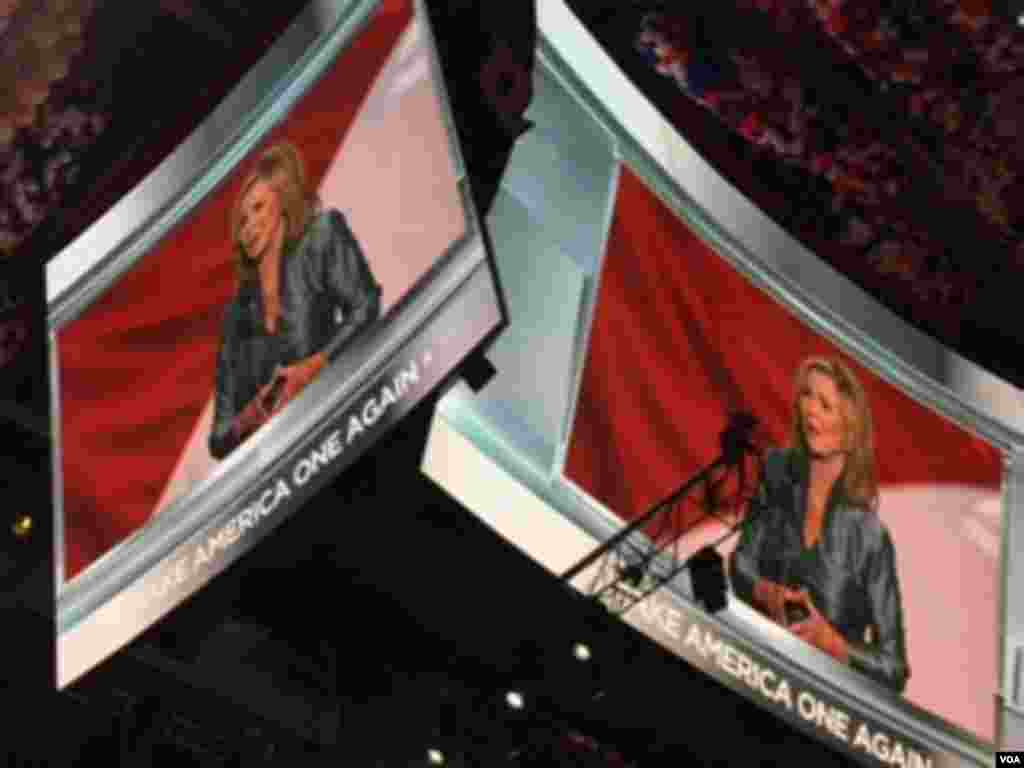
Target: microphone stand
736	443
608	546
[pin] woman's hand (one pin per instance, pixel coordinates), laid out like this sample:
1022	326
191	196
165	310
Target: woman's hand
770	597
296	377
816	629
253	416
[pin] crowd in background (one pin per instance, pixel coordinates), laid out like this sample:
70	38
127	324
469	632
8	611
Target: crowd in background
50	115
952	74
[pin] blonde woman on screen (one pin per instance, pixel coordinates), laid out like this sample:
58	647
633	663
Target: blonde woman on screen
305	290
813	554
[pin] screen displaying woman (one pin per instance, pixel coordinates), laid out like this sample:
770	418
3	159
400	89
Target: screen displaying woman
813	554
304	291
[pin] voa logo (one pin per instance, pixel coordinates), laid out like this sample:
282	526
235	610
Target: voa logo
1013	758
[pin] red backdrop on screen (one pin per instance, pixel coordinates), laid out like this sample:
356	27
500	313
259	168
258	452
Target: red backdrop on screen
131	389
680	339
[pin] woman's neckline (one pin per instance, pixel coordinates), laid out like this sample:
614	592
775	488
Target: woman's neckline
826	512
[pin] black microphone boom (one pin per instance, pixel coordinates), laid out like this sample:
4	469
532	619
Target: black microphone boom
736	442
736	438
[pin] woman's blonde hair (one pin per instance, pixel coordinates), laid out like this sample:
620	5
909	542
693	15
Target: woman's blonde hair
282	168
859	482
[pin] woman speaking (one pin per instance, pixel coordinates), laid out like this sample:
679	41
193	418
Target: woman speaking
813	554
305	290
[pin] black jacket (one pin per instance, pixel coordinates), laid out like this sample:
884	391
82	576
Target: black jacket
328	294
850	573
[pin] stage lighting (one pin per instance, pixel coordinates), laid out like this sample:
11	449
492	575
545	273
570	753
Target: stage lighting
581	652
435	757
22	526
515	700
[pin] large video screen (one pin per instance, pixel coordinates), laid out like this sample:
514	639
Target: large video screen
296	311
663	305
877	522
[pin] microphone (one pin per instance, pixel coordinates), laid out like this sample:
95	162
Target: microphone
736	439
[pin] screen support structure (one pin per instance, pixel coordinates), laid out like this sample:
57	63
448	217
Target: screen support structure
634	576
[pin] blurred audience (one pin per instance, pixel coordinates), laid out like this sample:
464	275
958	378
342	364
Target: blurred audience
955	73
49	115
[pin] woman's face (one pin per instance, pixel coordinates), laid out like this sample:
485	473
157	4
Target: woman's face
821	414
260	219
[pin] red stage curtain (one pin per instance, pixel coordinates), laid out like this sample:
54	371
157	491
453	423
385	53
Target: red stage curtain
138	367
680	339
